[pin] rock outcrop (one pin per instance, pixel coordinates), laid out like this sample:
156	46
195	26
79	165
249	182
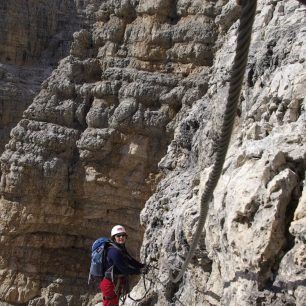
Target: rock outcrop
253	248
127	121
34	36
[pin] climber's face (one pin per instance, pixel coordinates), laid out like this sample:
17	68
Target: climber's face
120	238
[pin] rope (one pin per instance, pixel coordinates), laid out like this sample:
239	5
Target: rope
243	42
145	288
155	279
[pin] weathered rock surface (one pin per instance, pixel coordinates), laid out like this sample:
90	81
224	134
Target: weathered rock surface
129	118
31	28
253	247
85	154
34	36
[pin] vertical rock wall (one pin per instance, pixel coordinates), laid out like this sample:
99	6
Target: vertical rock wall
252	251
85	155
128	119
32	27
34	36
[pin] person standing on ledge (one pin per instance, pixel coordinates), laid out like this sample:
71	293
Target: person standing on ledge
119	264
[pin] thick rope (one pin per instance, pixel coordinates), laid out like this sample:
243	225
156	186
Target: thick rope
243	43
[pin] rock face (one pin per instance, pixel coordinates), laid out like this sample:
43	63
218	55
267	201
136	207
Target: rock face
33	27
253	248
34	36
127	121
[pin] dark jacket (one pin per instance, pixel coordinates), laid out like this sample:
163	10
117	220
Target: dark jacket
122	261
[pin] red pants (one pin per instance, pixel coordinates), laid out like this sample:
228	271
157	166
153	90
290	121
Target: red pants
110	298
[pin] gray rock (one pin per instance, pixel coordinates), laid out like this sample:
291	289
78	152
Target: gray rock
125	127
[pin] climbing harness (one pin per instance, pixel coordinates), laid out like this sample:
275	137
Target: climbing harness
242	49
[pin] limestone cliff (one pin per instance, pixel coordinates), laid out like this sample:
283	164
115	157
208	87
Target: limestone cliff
125	125
34	36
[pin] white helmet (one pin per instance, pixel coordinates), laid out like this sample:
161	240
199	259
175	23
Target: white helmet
118	229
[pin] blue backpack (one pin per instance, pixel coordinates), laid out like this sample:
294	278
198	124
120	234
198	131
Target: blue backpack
98	258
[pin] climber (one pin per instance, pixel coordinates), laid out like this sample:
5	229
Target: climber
119	265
